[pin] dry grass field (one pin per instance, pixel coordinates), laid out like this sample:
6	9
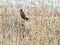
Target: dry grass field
42	28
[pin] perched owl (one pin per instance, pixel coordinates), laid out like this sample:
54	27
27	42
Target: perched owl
23	15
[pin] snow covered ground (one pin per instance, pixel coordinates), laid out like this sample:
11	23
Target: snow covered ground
30	3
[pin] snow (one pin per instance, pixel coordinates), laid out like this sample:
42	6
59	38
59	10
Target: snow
30	3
